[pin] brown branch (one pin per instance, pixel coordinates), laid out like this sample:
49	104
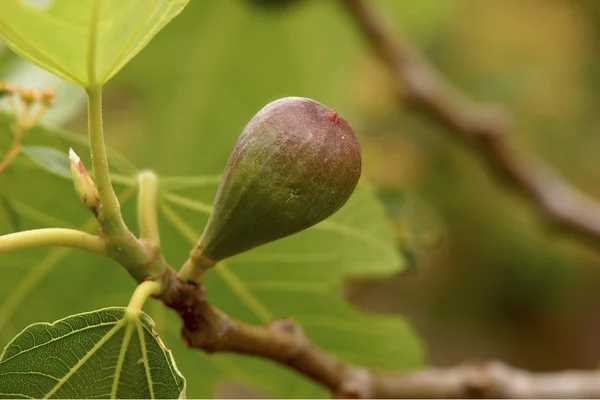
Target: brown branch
483	128
489	380
284	342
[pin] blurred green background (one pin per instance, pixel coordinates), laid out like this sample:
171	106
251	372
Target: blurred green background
487	279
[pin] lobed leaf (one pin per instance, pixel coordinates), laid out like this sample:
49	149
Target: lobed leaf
85	42
108	353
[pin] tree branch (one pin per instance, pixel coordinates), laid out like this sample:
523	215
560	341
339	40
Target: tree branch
284	342
483	128
488	380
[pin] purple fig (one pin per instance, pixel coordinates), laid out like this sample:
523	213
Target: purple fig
296	163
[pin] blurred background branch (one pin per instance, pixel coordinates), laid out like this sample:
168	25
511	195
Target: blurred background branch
483	128
487	380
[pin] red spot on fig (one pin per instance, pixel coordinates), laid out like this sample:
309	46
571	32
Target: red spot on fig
333	116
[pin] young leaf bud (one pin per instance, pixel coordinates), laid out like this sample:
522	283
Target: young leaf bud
296	163
84	185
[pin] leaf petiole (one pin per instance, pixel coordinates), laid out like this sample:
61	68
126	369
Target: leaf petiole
53	237
111	221
142	292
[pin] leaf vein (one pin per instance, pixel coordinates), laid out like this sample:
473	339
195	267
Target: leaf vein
120	360
145	358
88	355
101	325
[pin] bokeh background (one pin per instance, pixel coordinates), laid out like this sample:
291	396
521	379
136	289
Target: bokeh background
487	278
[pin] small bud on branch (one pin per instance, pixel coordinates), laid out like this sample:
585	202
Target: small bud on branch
84	185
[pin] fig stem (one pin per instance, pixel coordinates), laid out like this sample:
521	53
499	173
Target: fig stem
195	267
53	237
111	221
148	208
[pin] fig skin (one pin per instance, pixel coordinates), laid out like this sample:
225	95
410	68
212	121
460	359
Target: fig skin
296	163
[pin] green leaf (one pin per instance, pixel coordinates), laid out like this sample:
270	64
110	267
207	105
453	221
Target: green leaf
106	353
85	42
49	158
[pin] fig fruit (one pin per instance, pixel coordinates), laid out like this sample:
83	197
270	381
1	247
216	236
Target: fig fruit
296	163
